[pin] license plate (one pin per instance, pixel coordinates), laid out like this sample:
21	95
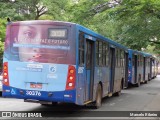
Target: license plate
33	93
39	86
33	85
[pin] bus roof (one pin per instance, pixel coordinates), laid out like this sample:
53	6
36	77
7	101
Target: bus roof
140	53
94	34
82	28
40	22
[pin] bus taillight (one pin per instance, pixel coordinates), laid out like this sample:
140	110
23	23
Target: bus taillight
5	74
129	73
70	84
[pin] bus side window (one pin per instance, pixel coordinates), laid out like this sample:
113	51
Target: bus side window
100	53
141	60
133	57
88	55
81	49
138	57
117	58
122	58
104	54
97	53
130	62
107	54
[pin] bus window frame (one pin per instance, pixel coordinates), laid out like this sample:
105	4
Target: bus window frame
81	50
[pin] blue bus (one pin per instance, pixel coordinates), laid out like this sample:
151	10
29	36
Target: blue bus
139	67
147	67
52	61
154	65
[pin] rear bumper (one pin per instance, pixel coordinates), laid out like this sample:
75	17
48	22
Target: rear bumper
58	96
130	80
0	86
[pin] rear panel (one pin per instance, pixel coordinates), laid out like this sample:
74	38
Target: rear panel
38	56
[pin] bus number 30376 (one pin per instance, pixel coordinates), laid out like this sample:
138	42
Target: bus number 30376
33	93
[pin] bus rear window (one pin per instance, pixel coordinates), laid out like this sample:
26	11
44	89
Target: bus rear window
42	43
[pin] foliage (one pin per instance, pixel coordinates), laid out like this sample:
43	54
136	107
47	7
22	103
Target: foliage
2	29
57	9
31	9
133	23
139	23
2	37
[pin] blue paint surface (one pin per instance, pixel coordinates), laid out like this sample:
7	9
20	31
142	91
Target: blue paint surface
58	96
53	77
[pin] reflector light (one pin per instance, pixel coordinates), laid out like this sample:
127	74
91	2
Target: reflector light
5	80
5	67
71	77
71	71
5	74
70	83
129	72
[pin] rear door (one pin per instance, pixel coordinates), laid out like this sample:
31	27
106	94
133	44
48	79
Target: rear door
135	69
89	64
126	70
112	69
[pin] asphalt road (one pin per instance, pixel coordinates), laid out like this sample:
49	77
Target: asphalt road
140	99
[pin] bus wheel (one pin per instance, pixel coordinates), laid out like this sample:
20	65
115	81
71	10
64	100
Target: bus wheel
53	104
139	79
138	84
149	77
146	81
119	92
98	102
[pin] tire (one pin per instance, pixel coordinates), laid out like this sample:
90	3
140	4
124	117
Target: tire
122	84
146	82
139	83
119	92
53	104
149	77
98	102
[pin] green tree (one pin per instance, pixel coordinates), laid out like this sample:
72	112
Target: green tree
32	9
57	9
2	29
134	24
138	23
2	38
